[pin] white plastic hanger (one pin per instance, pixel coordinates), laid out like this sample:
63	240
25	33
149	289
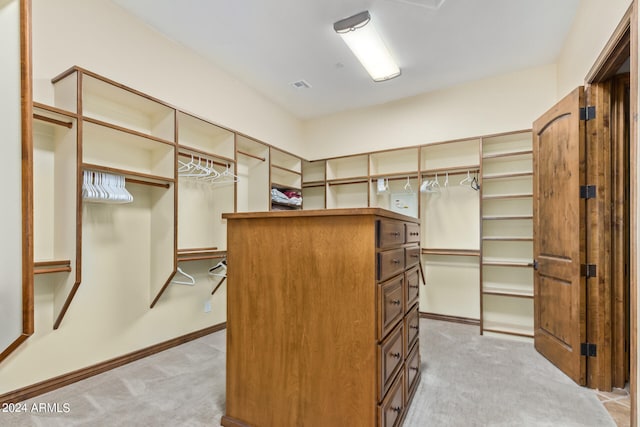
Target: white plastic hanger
191	282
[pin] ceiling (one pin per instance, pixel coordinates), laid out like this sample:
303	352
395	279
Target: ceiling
437	43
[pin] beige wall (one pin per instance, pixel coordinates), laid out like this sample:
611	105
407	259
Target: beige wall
101	37
591	29
498	104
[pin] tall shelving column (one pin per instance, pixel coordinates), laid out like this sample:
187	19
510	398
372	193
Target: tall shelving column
286	177
348	182
124	132
507	235
450	221
252	189
314	184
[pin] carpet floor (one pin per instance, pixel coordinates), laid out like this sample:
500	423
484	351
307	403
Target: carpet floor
467	380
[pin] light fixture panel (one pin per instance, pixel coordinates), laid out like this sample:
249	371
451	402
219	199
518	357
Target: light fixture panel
365	42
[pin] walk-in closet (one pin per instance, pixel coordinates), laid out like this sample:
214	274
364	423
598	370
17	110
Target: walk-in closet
221	214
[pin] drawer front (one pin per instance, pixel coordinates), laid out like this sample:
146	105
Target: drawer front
390	263
390	309
412	256
390	358
412	279
411	330
412	374
390	233
391	410
412	232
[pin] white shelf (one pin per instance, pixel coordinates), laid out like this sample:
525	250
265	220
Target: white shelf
205	137
110	148
286	161
123	107
452	155
394	162
314	171
348	167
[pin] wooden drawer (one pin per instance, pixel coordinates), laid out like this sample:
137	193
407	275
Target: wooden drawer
390	233
390	309
412	232
412	280
391	410
411	330
390	263
412	256
390	358
412	374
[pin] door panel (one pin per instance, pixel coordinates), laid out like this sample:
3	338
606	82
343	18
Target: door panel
559	235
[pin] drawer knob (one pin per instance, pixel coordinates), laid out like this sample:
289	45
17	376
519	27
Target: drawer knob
413	368
395	355
395	302
397	409
395	261
414	286
396	234
414	255
413	326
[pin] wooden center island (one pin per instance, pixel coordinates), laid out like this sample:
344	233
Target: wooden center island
322	318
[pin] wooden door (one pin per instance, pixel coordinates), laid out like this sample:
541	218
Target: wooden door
559	235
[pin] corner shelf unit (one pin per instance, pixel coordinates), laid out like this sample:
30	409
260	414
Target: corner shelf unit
507	235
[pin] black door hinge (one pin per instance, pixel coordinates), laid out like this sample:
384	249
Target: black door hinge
588	270
587	191
588	113
535	264
587	349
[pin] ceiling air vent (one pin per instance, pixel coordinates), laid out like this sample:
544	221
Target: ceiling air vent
301	84
428	4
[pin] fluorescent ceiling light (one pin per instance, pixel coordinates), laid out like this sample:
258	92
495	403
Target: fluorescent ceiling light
360	35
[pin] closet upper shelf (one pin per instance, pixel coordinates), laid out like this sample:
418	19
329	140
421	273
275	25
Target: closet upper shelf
111	102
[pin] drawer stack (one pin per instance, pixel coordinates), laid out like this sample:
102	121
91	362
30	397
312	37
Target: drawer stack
322	320
398	285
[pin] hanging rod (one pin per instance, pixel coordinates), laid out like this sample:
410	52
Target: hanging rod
190	155
68	125
399	178
262	159
153	184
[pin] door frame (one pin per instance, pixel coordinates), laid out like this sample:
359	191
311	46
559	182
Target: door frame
625	36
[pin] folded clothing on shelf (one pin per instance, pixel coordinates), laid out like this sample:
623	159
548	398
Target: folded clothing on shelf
288	197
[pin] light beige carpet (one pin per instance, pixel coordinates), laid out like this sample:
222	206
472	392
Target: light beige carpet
467	380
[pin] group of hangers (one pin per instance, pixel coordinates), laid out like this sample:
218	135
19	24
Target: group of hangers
203	170
219	270
433	186
383	185
104	187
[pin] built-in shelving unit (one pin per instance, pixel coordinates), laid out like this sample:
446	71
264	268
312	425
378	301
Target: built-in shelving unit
124	132
286	178
473	197
314	187
252	189
507	235
450	212
348	182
